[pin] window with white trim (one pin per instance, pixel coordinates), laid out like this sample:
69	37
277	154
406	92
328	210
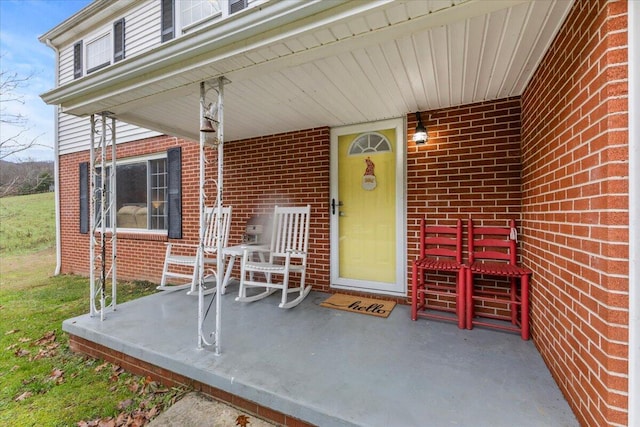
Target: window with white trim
98	53
193	11
141	194
179	17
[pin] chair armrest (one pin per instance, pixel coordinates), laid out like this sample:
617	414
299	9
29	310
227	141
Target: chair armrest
296	252
256	248
182	245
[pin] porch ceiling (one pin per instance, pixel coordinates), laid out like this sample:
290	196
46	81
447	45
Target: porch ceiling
327	64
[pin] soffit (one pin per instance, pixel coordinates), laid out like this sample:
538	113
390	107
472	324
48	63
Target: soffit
339	66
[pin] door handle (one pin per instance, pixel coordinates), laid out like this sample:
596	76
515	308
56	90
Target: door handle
333	206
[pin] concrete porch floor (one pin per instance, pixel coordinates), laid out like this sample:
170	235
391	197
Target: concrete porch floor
334	368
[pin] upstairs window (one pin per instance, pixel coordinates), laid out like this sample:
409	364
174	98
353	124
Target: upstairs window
181	16
193	11
98	53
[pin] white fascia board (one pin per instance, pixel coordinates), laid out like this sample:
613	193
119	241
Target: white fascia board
182	49
82	20
275	21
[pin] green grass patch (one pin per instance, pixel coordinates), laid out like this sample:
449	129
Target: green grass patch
27	223
42	383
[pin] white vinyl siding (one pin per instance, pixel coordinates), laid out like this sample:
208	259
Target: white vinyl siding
142	23
143	28
74	133
142	33
66	65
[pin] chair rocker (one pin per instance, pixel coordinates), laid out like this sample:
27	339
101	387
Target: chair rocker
287	254
181	260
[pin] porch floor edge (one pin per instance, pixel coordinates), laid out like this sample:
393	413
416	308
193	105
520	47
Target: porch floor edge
317	366
173	379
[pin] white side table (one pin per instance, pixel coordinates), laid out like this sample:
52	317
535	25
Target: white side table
233	252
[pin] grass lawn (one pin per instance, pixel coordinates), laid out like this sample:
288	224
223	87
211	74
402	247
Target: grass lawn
27	223
42	383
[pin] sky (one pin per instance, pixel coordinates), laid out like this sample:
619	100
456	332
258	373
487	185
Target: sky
21	23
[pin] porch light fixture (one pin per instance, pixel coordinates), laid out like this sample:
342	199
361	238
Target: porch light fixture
420	135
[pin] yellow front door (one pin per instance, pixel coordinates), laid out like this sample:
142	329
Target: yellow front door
365	209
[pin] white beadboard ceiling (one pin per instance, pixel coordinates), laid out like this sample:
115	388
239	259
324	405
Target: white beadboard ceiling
342	66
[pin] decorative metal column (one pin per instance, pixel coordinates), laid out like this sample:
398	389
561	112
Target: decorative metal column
211	134
101	217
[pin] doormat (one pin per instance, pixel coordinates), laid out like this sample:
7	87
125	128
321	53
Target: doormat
370	306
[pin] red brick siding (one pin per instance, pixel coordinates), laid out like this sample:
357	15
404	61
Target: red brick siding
575	209
146	250
286	169
469	167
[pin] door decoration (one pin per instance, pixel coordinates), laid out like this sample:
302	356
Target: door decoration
369	178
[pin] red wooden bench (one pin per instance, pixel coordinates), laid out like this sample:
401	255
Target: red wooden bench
493	252
440	251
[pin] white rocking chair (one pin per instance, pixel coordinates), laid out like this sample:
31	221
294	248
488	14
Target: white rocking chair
287	254
176	265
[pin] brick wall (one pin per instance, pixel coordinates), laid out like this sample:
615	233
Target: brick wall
285	169
146	250
575	209
469	168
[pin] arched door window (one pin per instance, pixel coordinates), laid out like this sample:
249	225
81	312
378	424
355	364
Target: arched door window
369	142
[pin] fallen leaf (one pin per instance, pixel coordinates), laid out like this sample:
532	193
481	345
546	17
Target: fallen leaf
57	376
21	352
242	421
11	347
125	404
42	353
101	367
121	420
13	331
139	419
23	396
153	412
23	339
107	422
46	338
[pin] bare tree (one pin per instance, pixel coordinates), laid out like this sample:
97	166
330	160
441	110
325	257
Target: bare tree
10	83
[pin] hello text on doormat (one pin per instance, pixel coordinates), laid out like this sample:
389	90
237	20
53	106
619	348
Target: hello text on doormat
355	304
